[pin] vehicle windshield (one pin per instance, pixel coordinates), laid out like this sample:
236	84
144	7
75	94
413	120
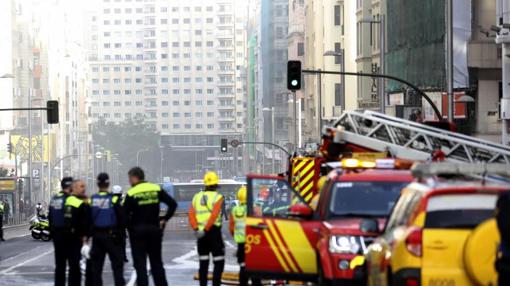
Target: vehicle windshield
364	198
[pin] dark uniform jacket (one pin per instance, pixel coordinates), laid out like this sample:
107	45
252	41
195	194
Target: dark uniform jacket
141	206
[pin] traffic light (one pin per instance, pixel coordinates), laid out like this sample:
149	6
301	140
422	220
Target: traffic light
293	75
9	147
224	143
52	111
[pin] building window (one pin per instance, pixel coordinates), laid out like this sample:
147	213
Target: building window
164	114
127	92
116	92
300	49
338	95
164	91
164	126
176	126
210	114
338	15
187	126
175	103
338	50
164	103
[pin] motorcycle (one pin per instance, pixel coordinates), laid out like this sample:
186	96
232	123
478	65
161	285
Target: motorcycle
40	228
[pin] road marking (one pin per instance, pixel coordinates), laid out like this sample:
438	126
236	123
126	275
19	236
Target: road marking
185	262
2	261
26	262
132	279
229	244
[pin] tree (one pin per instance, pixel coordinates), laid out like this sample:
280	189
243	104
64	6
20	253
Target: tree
126	139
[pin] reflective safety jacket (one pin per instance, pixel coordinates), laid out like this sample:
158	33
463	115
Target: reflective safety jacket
141	205
205	210
104	210
57	210
1	208
238	223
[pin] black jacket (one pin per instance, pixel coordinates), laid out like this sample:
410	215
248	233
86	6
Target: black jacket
141	206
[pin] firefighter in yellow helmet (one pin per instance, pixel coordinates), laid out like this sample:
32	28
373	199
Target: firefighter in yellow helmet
237	228
205	220
315	200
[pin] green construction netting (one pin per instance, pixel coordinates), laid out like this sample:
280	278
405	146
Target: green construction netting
415	33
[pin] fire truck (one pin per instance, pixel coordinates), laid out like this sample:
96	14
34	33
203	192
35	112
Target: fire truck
368	132
286	239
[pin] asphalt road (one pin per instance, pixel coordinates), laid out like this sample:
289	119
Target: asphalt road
24	261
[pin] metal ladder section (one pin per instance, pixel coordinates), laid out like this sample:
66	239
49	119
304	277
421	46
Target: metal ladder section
414	141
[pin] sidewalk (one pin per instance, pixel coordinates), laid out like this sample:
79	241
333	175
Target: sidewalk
13	231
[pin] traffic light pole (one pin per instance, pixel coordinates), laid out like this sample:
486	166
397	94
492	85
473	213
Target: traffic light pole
420	92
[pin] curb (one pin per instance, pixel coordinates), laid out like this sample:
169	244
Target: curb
14	226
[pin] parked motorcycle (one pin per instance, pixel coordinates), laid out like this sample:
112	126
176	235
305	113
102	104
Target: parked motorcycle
40	228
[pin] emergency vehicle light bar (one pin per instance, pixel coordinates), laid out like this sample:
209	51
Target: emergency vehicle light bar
351	163
468	169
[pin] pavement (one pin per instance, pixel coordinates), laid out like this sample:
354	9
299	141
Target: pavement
25	261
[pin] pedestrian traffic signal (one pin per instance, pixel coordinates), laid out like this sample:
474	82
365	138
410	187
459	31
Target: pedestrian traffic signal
293	75
224	143
9	147
52	111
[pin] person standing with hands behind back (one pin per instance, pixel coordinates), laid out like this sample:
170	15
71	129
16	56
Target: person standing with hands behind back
145	226
205	219
107	219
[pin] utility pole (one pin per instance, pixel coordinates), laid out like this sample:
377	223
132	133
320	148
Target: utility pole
30	175
449	57
382	58
503	38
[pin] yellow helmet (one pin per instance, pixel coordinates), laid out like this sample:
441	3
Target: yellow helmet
321	183
241	195
211	179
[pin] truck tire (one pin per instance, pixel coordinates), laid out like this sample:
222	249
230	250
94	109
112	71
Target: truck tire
480	253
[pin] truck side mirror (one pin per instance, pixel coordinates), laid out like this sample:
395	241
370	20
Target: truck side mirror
300	210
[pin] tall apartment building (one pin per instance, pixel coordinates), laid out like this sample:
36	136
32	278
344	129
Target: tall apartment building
180	65
273	25
330	38
368	50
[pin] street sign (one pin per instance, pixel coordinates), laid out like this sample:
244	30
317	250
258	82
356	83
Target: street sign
35	173
99	155
235	143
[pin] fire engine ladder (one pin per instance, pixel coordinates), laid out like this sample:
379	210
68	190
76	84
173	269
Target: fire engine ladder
414	141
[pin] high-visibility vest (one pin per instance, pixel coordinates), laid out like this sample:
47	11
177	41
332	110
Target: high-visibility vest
239	215
203	203
1	208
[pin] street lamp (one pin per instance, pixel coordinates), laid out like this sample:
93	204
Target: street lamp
161	148
342	69
7	75
382	53
272	136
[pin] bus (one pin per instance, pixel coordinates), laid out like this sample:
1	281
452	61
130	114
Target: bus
183	193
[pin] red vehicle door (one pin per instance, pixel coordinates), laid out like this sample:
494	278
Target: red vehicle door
281	234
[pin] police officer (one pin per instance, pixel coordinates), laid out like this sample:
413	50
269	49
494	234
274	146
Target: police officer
2	210
145	226
68	219
106	221
117	191
205	220
237	228
503	221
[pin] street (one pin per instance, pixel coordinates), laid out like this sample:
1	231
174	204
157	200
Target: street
24	261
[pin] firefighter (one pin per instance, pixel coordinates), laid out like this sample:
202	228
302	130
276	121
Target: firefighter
145	227
68	219
106	220
320	184
503	222
237	228
117	191
205	220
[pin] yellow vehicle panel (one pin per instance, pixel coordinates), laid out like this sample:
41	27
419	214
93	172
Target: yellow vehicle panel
401	258
443	253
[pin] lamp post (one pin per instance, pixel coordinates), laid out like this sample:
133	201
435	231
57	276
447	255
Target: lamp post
382	52
138	155
342	69
273	168
161	149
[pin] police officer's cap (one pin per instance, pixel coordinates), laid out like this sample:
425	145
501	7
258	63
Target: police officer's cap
103	178
66	182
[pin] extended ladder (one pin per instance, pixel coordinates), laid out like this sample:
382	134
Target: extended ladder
414	141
